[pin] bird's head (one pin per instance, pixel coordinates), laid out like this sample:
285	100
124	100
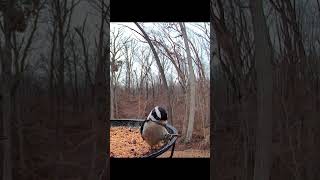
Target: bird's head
158	114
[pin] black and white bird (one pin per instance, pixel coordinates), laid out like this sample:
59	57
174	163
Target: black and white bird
153	130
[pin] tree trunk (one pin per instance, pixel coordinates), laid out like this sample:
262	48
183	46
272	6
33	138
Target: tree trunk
218	156
115	101
6	103
192	85
112	96
6	83
147	89
263	58
20	131
101	123
76	83
51	74
60	95
86	61
185	117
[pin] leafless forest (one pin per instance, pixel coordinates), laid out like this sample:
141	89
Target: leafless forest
265	75
54	92
164	64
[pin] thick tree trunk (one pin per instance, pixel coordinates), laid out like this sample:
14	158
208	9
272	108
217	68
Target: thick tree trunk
185	117
59	10
20	134
192	85
263	58
216	147
6	103
6	83
101	152
102	99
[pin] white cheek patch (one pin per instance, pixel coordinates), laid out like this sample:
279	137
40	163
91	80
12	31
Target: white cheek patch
152	118
149	116
158	112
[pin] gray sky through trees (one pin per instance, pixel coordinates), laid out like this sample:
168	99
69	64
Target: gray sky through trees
198	33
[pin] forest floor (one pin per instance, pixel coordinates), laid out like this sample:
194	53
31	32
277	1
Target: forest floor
189	153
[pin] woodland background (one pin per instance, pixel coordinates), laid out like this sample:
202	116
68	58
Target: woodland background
152	65
265	78
54	92
55	89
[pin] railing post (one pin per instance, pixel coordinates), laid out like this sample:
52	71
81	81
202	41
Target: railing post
172	150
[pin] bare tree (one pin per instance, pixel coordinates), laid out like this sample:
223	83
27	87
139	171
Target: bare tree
192	85
22	51
73	67
6	79
290	50
263	57
174	54
85	50
100	164
129	51
15	19
61	12
115	50
163	77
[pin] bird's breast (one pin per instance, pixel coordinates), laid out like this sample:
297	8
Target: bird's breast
153	133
